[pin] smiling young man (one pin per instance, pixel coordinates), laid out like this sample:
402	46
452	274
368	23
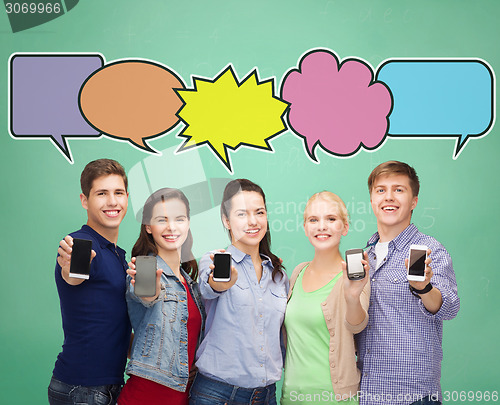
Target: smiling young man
400	350
94	313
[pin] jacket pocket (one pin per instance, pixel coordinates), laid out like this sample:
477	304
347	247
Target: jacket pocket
170	305
149	340
241	294
279	297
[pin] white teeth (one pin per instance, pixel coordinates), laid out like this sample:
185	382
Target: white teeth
170	237
253	231
112	212
322	236
389	208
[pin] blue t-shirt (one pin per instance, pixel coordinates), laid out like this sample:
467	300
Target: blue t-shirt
95	318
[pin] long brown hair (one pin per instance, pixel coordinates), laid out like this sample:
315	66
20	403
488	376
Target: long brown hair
237	186
145	243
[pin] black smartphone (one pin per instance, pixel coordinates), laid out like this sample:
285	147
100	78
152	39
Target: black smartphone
222	263
80	258
355	269
145	276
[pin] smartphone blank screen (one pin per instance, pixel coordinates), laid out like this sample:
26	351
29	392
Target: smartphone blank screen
222	263
354	265
417	262
80	256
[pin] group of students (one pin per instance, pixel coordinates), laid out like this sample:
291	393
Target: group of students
204	342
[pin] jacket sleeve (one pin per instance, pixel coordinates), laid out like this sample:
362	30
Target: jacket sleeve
207	292
365	302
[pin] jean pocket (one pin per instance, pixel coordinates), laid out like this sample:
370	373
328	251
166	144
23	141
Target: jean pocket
102	398
57	397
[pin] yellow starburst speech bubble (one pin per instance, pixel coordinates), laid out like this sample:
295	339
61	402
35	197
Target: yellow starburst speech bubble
224	113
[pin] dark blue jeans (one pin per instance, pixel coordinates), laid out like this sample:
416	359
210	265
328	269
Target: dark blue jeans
61	393
427	401
206	391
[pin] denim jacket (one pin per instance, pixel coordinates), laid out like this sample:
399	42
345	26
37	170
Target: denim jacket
160	348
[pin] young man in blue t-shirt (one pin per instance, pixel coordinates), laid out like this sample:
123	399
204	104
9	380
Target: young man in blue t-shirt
400	351
95	321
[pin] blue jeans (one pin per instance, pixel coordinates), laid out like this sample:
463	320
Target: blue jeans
65	394
426	401
206	391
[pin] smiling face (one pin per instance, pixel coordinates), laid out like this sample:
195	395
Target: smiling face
106	205
324	225
247	221
169	225
392	202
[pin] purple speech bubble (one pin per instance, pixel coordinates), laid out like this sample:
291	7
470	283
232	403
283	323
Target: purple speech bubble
336	106
44	96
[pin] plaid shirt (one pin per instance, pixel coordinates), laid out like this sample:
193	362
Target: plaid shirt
399	352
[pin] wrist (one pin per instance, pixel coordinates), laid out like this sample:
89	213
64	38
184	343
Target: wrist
423	291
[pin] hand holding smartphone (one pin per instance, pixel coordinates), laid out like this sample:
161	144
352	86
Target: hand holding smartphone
354	267
416	262
145	276
80	258
222	269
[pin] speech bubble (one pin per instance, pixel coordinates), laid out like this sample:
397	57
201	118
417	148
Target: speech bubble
337	106
440	98
226	114
132	100
24	15
44	96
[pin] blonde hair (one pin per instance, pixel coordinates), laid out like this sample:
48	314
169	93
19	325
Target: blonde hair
332	198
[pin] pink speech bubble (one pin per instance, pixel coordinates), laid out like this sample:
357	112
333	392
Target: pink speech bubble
340	108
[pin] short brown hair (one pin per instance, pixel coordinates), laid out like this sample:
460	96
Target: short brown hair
98	168
393	167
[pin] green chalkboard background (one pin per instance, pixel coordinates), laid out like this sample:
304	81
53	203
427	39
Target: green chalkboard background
459	199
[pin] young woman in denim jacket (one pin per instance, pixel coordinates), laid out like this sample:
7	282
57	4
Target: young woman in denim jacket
168	326
240	358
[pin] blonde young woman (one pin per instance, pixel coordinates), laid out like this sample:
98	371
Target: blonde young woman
324	311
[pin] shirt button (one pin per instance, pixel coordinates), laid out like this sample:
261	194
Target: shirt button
331	349
335	381
323	303
367	350
332	365
262	365
328	318
260	315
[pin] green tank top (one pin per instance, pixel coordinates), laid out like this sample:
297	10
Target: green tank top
307	369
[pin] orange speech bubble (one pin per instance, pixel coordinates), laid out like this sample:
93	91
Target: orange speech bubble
132	100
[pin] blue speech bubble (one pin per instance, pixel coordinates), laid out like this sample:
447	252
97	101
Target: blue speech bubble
44	97
440	98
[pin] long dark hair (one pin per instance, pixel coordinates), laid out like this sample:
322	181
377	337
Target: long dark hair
237	186
145	243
